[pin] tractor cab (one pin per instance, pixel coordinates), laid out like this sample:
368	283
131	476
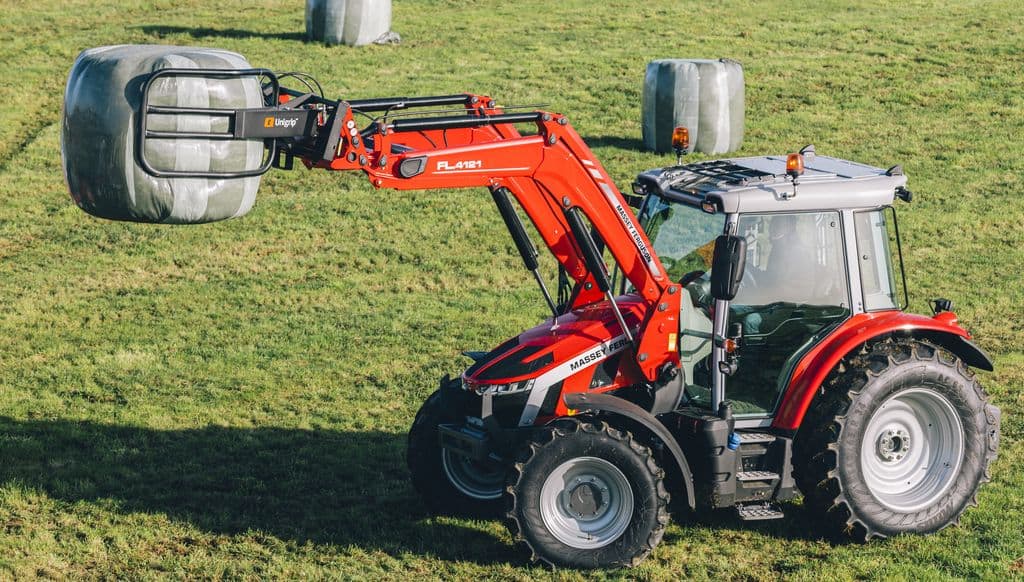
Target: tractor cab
812	249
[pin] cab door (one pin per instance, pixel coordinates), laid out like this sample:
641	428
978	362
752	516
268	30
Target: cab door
793	292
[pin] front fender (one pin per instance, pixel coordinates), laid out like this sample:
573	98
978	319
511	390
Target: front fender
581	402
818	363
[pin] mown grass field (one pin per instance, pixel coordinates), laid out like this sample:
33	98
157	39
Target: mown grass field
231	400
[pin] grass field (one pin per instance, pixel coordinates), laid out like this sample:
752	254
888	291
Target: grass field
231	400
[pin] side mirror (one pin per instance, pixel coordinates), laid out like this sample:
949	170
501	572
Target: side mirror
727	266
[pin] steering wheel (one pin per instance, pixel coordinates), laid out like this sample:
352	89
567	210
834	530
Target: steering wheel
691	277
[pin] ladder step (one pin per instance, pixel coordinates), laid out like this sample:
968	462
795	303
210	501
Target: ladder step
758	511
756	476
751	438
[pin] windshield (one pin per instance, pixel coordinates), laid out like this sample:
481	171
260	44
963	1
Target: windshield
683	236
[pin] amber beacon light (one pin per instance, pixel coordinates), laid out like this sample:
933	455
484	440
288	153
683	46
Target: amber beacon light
680	142
794	166
794	169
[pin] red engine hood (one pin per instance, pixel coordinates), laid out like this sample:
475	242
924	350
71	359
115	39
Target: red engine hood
576	335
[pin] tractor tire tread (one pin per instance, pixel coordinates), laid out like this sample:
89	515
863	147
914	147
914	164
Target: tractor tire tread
422	453
817	444
566	427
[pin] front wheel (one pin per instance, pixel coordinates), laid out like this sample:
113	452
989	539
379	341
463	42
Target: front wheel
585	495
899	442
449	483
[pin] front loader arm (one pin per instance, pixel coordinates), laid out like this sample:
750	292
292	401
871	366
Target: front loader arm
552	174
548	174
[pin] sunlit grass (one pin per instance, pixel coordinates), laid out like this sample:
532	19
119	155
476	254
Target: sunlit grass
231	400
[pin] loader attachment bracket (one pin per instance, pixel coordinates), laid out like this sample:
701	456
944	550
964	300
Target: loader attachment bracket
268	123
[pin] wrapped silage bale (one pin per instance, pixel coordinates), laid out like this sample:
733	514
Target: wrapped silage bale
352	22
704	95
98	136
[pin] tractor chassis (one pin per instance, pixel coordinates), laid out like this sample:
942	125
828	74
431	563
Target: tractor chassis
749	472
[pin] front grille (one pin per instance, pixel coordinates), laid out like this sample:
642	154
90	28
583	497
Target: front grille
508	409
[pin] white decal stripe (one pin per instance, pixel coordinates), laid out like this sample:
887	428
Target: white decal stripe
631	228
595	173
545	381
587	162
478	171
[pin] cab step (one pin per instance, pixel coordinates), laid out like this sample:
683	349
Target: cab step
758	511
746	476
755	438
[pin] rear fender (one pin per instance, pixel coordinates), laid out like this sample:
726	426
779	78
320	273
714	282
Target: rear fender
618	406
963	348
815	367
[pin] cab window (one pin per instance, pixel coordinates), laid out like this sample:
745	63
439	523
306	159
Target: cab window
794	291
878	280
683	236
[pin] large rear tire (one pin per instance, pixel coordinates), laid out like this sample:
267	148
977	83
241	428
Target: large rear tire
585	495
451	484
899	442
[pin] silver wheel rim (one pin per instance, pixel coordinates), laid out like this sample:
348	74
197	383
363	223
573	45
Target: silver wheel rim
586	503
912	449
483	480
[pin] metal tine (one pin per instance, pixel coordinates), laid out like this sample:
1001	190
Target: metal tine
418	113
438	112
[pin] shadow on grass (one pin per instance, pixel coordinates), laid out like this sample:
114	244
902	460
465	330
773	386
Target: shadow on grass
614	141
797	525
343	488
330	487
206	32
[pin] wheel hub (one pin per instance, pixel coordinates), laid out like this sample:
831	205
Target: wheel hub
912	449
587	498
482	480
893	444
586	502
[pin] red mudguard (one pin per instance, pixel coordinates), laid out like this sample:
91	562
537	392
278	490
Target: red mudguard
818	363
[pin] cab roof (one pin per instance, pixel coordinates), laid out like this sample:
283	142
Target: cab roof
760	184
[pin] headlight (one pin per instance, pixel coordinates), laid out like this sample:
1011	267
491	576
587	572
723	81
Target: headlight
503	389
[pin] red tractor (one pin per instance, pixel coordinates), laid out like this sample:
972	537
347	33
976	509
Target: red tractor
739	341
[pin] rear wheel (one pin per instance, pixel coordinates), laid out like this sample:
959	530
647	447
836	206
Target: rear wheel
450	483
899	442
586	495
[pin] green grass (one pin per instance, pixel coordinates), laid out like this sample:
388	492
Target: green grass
231	400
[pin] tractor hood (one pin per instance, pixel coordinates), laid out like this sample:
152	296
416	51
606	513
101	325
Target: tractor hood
573	342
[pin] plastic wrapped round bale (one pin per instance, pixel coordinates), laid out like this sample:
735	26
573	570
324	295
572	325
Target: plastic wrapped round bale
98	136
703	95
352	22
